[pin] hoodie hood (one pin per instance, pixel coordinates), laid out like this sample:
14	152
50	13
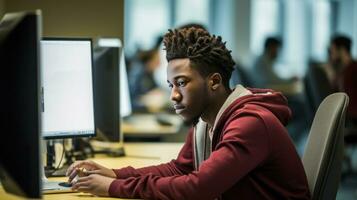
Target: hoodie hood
247	99
240	102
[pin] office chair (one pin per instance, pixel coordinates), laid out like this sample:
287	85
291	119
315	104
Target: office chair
317	85
324	149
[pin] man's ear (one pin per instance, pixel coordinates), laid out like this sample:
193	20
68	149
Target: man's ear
215	81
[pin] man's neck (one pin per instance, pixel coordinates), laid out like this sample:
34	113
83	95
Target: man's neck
210	116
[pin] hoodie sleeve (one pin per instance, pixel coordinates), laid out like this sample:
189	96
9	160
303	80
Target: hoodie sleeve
244	146
183	164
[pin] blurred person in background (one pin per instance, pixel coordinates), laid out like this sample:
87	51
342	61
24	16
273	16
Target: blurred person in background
263	68
265	76
345	69
144	90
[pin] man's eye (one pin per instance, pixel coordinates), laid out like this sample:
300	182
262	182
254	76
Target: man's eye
181	83
170	85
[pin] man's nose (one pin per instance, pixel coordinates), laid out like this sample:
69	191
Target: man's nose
175	95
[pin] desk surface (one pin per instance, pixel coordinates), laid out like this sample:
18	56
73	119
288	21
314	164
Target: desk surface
138	155
148	125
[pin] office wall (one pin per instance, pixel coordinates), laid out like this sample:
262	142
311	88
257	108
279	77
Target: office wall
91	18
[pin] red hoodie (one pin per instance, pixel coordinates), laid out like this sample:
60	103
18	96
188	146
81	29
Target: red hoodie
252	158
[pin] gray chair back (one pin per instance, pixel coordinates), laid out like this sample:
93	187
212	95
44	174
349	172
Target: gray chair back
317	85
324	149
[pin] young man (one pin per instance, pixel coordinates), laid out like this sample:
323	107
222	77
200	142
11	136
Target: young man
237	148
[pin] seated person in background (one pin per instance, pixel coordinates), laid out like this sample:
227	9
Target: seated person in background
144	90
265	77
237	148
345	72
263	68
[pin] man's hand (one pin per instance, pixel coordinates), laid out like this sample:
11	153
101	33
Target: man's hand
90	168
94	183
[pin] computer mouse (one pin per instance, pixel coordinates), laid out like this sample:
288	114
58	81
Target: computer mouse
65	184
69	184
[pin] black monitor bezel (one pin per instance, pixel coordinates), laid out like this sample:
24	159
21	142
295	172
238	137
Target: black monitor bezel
104	135
91	43
28	151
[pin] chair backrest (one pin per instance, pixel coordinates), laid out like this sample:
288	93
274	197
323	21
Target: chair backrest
323	154
317	85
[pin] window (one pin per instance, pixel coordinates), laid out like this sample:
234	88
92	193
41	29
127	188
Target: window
264	23
145	20
320	29
196	12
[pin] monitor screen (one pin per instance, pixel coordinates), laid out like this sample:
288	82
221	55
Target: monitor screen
20	159
112	99
67	88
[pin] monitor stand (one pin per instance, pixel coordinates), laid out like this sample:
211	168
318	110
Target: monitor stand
47	185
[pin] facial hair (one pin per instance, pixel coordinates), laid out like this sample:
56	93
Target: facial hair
196	119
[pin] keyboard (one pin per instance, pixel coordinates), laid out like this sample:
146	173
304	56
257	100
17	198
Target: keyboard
50	187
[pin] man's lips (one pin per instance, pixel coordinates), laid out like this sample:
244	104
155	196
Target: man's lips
179	108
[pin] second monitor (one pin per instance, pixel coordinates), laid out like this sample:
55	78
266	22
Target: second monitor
112	99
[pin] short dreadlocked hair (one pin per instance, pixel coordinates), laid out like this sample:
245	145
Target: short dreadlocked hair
207	53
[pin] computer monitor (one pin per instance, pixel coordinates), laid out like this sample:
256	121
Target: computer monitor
20	158
113	43
67	88
112	99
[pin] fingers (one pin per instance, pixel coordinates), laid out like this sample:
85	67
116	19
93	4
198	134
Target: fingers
84	163
75	165
93	183
89	172
74	173
81	173
80	182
